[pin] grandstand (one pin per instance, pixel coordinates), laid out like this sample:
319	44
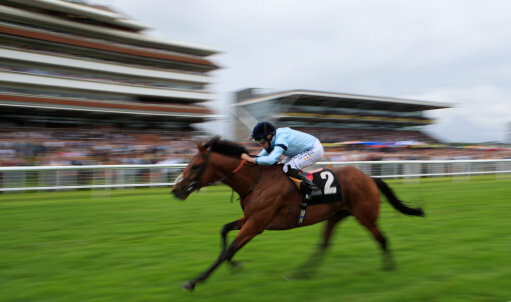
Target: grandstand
336	117
82	84
68	64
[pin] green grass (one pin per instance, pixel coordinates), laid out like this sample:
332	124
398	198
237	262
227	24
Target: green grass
140	245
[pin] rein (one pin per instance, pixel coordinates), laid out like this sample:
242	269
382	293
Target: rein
240	165
253	184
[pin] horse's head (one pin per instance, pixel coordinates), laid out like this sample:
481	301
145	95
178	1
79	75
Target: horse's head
195	175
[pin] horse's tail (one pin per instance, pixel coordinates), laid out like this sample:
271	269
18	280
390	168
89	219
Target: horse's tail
395	202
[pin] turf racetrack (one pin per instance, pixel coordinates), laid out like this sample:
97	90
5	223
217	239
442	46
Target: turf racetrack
140	245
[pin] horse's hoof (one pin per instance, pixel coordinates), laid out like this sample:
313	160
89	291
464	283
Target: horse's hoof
235	265
390	266
188	285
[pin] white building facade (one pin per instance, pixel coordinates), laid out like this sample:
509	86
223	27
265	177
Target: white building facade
71	62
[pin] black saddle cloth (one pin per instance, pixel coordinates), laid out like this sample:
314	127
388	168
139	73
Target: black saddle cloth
327	181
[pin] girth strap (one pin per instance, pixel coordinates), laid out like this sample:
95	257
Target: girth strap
301	216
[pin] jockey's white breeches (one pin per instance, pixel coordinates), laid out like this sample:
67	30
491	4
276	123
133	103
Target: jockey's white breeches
304	159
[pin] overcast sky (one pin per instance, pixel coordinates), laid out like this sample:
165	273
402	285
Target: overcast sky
457	52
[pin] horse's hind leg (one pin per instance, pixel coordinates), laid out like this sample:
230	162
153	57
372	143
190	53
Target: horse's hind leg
388	261
366	210
329	228
308	268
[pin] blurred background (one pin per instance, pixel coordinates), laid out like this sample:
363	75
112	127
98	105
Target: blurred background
82	83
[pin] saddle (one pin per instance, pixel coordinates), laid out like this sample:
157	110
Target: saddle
326	180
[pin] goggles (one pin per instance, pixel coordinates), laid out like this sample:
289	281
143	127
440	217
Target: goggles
261	141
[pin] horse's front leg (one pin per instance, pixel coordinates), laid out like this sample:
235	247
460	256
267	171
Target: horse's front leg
248	231
235	225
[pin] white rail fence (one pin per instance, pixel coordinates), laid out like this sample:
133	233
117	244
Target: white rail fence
40	178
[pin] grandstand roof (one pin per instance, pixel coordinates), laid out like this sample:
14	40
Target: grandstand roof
79	16
331	99
99	13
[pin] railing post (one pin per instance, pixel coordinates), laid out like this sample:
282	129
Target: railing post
57	179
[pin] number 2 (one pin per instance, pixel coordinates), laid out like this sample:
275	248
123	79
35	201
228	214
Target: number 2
329	180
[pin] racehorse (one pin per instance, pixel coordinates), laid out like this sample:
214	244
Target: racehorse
270	201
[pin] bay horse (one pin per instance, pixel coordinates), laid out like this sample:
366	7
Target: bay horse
270	201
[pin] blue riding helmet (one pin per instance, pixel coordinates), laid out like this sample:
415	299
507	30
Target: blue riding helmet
262	129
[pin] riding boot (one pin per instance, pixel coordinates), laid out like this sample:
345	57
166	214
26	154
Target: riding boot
314	192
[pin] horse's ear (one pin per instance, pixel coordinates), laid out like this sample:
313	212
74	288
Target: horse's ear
200	147
209	144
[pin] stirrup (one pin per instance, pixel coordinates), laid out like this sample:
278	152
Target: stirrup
314	194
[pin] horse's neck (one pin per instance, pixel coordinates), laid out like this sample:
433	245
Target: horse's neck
224	164
242	179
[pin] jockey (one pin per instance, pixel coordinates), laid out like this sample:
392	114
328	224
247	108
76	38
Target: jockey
300	150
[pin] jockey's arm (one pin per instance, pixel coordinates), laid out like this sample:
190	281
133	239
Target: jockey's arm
271	158
251	159
247	158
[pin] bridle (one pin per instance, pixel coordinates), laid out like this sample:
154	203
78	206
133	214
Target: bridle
194	184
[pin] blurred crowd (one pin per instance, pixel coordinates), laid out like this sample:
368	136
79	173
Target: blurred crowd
424	153
98	146
33	146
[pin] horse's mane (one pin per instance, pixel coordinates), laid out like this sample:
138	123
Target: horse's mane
227	147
